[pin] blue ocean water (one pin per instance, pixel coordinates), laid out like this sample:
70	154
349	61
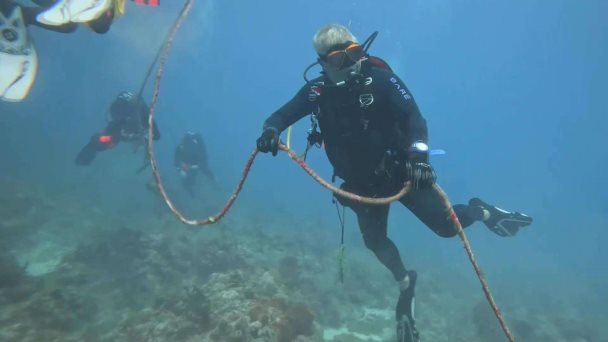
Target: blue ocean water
513	91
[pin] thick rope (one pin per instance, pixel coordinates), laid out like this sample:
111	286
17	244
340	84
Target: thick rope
480	274
294	156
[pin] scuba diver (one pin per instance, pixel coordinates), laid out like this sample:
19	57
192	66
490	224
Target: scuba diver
18	57
127	122
376	139
190	159
98	15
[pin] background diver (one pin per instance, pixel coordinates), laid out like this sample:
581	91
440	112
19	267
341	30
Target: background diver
191	158
376	138
127	122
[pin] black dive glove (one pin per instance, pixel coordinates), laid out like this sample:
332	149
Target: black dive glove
418	169
269	141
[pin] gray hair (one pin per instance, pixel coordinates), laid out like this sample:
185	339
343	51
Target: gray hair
331	35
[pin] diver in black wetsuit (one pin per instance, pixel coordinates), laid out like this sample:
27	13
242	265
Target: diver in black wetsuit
127	122
376	139
191	158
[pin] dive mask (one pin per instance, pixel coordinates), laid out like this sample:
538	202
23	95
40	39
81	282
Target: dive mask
342	64
338	58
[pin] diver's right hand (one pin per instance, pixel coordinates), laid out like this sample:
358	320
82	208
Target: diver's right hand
269	141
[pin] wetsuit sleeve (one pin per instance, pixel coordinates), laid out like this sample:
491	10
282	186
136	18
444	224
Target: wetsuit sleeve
298	107
411	126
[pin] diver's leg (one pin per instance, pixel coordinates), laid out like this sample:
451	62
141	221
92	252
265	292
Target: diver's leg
188	180
372	221
97	143
500	221
429	206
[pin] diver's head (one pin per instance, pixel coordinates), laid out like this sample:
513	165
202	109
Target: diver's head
340	54
126	96
190	137
122	107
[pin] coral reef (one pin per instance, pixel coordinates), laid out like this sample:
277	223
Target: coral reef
113	279
284	319
23	210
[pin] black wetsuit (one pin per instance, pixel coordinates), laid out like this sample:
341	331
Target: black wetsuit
128	122
191	158
357	135
29	14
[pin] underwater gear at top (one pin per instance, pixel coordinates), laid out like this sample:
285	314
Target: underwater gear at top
18	58
77	11
404	313
13	38
500	221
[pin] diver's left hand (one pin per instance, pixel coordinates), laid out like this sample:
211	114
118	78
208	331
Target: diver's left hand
421	174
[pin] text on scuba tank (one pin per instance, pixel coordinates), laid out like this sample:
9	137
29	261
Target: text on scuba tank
400	89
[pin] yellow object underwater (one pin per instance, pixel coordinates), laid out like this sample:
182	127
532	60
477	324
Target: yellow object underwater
119	8
288	144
